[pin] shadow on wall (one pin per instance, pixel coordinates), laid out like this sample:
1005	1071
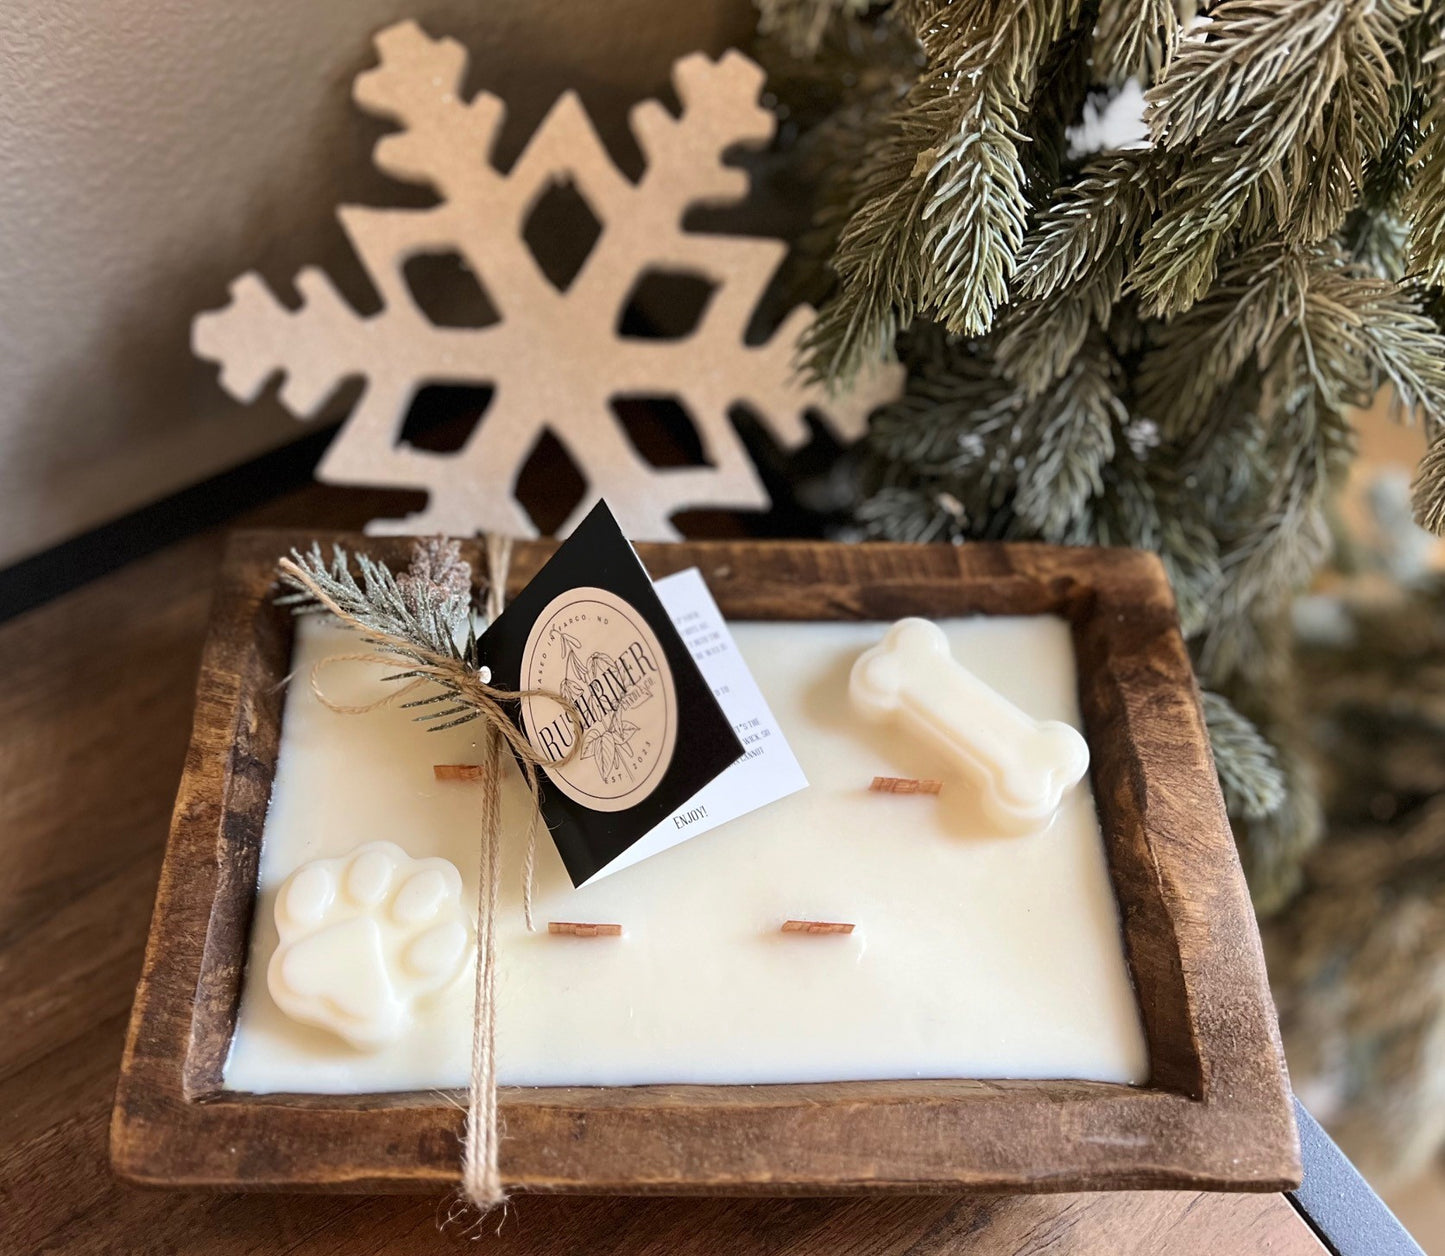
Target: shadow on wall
152	157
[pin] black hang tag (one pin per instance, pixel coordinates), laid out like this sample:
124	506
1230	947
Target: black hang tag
590	627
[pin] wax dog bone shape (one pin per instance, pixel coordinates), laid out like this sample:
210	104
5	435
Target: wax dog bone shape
1022	766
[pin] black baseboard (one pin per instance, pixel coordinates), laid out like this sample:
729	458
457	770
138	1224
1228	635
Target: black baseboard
66	566
438	419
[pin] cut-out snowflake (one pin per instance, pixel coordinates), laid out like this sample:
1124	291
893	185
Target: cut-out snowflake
552	350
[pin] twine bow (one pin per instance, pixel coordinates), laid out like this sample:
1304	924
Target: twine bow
419	664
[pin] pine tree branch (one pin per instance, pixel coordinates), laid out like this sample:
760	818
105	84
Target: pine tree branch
1077	420
1072	266
1164	355
878	260
1057	102
1198	353
1248	766
943	457
1429	489
1250	95
1282	537
957	403
1038	339
1089	221
838	104
1356	128
1353	331
1406	348
1134	38
1147	504
938	210
1248	53
1425	200
911	513
979	205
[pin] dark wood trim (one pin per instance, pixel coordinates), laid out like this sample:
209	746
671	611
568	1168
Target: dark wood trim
1216	1115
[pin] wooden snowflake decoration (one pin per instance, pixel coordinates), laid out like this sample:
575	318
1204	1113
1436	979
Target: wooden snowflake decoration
555	358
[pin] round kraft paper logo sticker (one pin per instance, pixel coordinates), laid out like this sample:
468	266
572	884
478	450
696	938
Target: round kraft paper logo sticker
603	657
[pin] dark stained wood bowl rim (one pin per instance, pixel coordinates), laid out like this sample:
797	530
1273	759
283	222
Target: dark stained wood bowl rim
1215	1115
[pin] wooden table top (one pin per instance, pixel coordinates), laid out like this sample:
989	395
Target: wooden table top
95	712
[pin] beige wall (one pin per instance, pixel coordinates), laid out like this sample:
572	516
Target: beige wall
150	150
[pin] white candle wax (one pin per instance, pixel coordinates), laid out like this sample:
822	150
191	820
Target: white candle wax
974	955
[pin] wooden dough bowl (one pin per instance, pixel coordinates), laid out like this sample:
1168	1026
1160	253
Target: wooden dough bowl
1215	1114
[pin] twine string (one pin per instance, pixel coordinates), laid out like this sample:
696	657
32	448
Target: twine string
481	1174
481	1177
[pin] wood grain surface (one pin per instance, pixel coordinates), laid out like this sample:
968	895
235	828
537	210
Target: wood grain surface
94	720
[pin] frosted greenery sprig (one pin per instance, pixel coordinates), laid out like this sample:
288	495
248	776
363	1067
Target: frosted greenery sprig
421	619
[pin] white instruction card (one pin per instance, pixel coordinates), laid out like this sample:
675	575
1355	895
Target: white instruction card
766	772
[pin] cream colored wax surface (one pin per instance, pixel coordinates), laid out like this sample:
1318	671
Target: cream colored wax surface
974	955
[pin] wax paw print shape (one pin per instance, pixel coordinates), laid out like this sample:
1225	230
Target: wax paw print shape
364	937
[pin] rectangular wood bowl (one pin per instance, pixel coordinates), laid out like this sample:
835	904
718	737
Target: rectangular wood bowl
1215	1113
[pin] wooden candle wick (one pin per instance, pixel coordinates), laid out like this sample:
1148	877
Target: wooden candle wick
816	926
577	930
904	785
458	771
